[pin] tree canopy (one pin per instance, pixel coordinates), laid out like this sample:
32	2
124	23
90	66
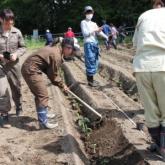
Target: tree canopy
57	15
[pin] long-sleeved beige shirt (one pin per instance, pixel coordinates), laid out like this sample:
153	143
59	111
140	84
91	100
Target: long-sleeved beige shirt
149	41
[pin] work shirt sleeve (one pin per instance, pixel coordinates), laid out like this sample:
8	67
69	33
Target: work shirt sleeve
21	45
54	75
136	33
134	40
101	34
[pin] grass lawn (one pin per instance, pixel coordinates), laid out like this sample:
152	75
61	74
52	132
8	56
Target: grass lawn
34	44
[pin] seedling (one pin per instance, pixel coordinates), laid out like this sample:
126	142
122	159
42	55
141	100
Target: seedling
83	123
93	146
104	162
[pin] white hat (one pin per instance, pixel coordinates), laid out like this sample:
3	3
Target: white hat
88	8
61	39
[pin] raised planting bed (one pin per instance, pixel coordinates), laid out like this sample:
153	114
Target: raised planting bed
116	141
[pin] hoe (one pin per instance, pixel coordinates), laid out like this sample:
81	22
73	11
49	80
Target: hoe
86	105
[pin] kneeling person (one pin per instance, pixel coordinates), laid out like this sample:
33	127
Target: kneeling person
46	60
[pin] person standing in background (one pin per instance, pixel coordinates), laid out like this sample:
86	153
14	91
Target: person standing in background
107	31
122	33
12	46
90	30
69	33
48	37
114	33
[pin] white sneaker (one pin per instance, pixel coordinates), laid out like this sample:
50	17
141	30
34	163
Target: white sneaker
48	125
51	115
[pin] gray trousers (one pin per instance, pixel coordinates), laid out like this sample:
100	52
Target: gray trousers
151	87
5	104
13	72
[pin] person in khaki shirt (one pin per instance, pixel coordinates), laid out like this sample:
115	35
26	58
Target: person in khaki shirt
46	60
12	46
149	69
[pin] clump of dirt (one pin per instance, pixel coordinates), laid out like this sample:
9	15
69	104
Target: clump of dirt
108	140
107	145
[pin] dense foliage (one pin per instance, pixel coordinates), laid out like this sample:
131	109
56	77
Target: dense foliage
57	15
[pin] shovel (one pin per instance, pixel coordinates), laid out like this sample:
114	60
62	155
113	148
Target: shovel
86	105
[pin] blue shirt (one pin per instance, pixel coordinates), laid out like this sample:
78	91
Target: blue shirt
49	38
106	29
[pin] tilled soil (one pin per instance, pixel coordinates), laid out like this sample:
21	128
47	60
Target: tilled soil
110	89
26	144
122	57
112	148
117	141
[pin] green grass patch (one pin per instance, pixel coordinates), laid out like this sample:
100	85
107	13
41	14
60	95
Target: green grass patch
34	43
128	39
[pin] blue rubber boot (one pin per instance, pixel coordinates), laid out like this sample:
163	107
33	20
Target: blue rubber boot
43	119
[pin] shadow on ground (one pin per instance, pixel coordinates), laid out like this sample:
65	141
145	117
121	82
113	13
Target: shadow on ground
24	122
67	145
